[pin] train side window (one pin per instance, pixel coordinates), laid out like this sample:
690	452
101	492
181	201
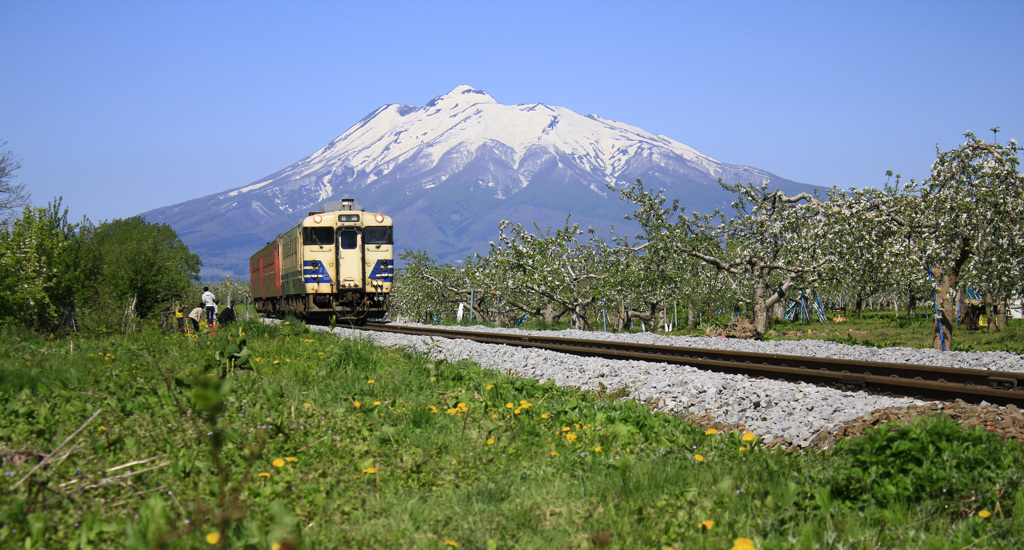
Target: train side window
378	235
347	239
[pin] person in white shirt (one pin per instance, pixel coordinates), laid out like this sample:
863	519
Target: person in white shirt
211	305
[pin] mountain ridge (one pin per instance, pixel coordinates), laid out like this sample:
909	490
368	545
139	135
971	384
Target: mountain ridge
447	172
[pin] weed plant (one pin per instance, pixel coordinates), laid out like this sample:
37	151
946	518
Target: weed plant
285	438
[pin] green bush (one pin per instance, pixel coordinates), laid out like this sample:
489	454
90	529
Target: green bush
931	459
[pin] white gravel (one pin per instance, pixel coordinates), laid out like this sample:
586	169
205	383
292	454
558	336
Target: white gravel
795	413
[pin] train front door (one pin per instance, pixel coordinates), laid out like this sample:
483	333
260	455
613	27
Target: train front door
350	259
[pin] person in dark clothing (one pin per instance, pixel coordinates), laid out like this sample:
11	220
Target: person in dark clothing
226	316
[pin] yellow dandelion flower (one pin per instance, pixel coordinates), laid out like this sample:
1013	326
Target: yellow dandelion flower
462	407
370	471
707	524
376	403
356	404
287	360
490	441
433	379
494	416
370	381
565	428
278	462
553	453
264	474
258	359
570	437
275	546
307	405
276	361
698	458
287	322
984	514
743	543
490	386
710	431
744	448
510	405
544	416
749	436
597	449
451	543
213	538
517	411
433	409
291	459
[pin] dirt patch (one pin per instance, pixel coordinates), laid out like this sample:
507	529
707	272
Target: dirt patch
1007	422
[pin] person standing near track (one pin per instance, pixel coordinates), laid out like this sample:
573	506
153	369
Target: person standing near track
210	302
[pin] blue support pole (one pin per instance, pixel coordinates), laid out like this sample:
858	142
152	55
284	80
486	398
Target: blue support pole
938	315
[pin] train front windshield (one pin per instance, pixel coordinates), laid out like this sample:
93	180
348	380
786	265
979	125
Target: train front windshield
378	235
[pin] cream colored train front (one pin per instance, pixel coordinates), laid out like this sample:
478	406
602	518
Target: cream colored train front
338	262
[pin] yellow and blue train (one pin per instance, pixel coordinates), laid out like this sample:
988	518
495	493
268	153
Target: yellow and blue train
336	263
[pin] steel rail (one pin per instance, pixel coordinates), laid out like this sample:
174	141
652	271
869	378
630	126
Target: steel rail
922	381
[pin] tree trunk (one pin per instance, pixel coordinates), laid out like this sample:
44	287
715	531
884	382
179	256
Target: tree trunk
858	305
1001	306
990	310
946	277
549	315
760	308
691	316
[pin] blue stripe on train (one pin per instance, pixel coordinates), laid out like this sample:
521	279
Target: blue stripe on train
314	271
383	270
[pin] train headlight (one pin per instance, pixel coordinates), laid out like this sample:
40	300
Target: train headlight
379	218
318	218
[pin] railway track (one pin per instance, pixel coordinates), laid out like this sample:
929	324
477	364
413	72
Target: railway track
920	381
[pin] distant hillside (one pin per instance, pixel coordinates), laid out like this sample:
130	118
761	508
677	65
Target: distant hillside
449	171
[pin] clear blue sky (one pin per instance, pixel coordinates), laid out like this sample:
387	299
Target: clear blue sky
125	106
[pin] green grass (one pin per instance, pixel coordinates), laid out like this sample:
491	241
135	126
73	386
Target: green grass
280	453
883	329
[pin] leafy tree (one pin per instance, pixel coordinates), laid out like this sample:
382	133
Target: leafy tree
38	271
425	289
769	247
12	196
132	269
557	269
651	273
872	255
970	208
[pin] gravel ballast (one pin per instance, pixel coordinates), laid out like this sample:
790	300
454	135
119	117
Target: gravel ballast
793	415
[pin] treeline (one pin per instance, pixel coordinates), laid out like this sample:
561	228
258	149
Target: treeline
60	276
905	243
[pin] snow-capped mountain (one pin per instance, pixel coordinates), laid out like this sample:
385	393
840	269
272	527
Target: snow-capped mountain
449	171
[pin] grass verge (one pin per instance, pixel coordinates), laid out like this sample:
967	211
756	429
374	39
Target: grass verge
319	442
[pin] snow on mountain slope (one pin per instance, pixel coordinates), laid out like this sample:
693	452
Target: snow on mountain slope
447	172
458	123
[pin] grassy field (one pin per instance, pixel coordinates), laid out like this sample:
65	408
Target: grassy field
151	440
885	329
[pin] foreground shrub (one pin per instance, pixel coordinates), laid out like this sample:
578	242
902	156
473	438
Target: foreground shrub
931	459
